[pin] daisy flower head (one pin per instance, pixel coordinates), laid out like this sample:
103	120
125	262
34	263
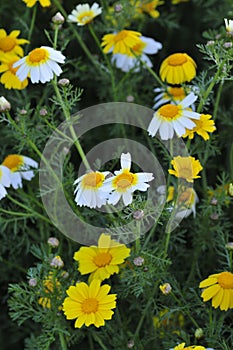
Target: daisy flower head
103	260
9	78
43	3
122	42
177	68
186	168
50	286
4	180
170	118
89	304
149	7
41	64
20	168
170	94
84	14
229	26
124	183
219	288
192	347
10	44
138	53
204	125
90	189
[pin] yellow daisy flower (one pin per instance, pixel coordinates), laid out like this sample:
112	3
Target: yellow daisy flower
9	78
84	14
219	288
203	126
89	304
177	68
10	44
40	64
192	347
148	7
20	168
102	261
122	42
186	168
43	3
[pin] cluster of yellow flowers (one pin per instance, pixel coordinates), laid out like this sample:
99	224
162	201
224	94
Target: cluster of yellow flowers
91	303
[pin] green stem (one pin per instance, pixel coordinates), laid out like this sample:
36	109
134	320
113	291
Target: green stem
72	131
34	11
99	341
209	89
159	81
180	303
62	342
55	36
217	100
90	340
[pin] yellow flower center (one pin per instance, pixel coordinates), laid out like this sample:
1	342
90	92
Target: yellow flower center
7	44
138	48
11	69
86	17
124	180
93	179
176	92
13	162
169	111
90	305
37	55
102	259
177	59
225	280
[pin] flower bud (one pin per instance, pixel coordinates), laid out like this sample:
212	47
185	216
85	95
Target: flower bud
23	111
53	242
138	214
199	333
130	344
32	282
57	262
229	246
63	82
230	189
129	98
118	8
43	112
165	288
214	201
58	18
139	261
5	105
227	44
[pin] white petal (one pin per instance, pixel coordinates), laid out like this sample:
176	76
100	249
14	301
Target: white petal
127	198
154	126
186	122
166	131
126	161
114	198
152	46
23	72
188	100
191	114
16	180
145	177
145	59
27	175
54	55
3	191
35	74
179	128
5	178
30	162
141	187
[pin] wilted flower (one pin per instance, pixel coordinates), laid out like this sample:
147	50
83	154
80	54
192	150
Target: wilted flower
5	105
138	261
57	262
165	288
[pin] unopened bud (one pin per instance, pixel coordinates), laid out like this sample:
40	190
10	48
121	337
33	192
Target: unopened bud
165	288
214	216
63	82
43	112
227	44
32	282
65	274
138	214
229	246
129	98
53	242
118	8
57	262
58	18
214	201
23	111
199	333
130	344
139	261
5	105
210	43
230	189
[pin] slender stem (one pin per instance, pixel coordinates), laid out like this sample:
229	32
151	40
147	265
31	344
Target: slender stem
67	116
217	100
90	340
62	342
55	36
99	341
179	302
34	11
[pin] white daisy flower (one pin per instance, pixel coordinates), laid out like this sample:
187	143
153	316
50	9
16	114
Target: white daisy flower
4	180
19	167
90	189
170	94
40	65
229	25
139	51
126	182
170	118
84	14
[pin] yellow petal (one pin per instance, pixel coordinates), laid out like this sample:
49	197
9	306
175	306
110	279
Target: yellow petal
208	282
225	300
210	292
217	299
